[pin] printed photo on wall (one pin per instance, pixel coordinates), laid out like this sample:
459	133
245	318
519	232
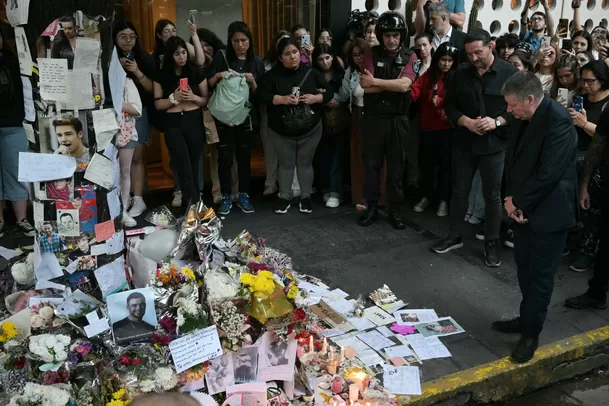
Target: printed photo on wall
80	246
68	223
220	374
133	315
83	280
71	138
50	240
85	203
60	189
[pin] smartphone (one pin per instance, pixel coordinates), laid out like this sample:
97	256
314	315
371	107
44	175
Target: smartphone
578	103
183	83
296	91
305	40
131	56
192	16
563	96
547	40
563	27
565	43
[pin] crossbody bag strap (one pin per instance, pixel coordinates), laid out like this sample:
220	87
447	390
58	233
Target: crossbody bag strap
305	78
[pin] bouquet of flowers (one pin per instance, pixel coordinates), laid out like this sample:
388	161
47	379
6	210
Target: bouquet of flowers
268	299
191	316
8	331
43	316
232	323
170	276
23	271
53	377
86	263
165	378
50	348
41	395
79	349
119	398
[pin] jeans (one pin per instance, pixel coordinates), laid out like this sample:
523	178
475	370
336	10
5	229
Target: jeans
599	284
537	256
12	141
436	151
235	142
332	163
476	201
184	137
295	152
270	157
491	172
384	140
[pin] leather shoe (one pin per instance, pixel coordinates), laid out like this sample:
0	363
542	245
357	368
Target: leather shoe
525	349
507	326
369	216
586	302
395	219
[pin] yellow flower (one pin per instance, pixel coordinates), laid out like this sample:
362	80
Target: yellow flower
188	272
9	331
293	292
118	394
265	274
115	403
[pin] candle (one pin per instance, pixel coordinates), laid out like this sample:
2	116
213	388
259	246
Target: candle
324	348
331	353
353	392
342	355
311	344
331	367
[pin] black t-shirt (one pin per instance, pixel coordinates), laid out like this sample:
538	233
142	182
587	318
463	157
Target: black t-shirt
11	92
602	130
593	112
147	66
169	81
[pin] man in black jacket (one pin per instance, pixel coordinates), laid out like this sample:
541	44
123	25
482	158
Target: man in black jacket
443	31
541	199
475	105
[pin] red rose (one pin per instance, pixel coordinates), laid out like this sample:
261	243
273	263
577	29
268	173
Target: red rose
19	363
125	360
136	361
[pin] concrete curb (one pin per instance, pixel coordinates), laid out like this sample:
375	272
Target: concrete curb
502	379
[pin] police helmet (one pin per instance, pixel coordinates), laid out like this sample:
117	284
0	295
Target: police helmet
392	21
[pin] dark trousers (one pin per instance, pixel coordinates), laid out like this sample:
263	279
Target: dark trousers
235	142
599	284
537	257
384	139
464	166
184	137
332	152
436	155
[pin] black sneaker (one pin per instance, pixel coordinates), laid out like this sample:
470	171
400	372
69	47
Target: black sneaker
525	349
2	224
448	244
508	240
395	219
507	326
282	206
305	205
26	228
566	251
586	302
480	234
583	262
491	254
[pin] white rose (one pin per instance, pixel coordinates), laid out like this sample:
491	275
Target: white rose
48	340
37	321
46	312
147	385
61	355
58	347
47	357
65	340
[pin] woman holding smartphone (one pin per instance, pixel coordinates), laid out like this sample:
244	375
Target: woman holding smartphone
180	92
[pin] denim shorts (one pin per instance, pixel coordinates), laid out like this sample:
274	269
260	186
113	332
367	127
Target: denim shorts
12	141
142	127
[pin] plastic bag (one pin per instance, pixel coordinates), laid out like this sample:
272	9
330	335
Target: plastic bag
162	217
276	305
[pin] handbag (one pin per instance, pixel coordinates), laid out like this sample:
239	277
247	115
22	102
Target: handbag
335	120
299	119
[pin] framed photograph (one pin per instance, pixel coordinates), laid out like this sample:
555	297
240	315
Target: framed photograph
133	315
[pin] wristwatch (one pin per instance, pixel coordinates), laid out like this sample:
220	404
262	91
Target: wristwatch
497	122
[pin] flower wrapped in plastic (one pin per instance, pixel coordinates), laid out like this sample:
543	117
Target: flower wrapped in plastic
232	323
43	317
220	285
162	217
50	348
191	316
23	271
42	395
268	300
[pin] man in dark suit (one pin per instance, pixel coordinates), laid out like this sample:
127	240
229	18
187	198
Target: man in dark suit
132	327
442	31
542	200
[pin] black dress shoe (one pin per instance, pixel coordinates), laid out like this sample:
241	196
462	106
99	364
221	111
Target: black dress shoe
507	326
370	215
395	218
586	302
525	349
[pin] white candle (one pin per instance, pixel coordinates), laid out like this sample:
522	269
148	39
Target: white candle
331	353
311	344
324	348
353	392
342	355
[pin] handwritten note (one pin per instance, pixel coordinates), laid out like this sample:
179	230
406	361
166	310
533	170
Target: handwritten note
116	243
402	380
44	167
195	348
99	249
114	204
104	231
80	91
378	316
100	171
117	77
97	327
53	79
111	277
86	54
106	126
375	340
23	51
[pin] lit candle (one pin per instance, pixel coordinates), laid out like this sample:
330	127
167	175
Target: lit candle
331	353
331	367
324	348
311	343
342	355
353	392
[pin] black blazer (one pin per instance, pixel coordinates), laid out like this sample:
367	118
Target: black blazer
457	38
542	179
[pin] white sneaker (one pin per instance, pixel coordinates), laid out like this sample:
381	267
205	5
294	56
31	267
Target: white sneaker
333	202
326	197
421	206
177	198
129	221
138	207
442	209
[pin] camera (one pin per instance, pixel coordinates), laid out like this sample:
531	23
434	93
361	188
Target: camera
358	20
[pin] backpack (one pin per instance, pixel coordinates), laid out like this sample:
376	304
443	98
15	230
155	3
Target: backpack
229	103
7	87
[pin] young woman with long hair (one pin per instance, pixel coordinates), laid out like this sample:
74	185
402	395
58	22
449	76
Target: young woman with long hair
182	118
165	29
522	60
436	130
547	56
237	141
566	76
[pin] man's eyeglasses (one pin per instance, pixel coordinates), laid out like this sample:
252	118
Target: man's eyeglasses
589	82
128	38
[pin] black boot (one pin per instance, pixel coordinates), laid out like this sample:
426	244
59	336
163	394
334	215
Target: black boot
395	217
369	215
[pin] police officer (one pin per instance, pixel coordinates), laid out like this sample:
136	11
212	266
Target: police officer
389	70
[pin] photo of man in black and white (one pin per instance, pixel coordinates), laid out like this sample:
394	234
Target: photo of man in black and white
245	364
132	314
277	353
